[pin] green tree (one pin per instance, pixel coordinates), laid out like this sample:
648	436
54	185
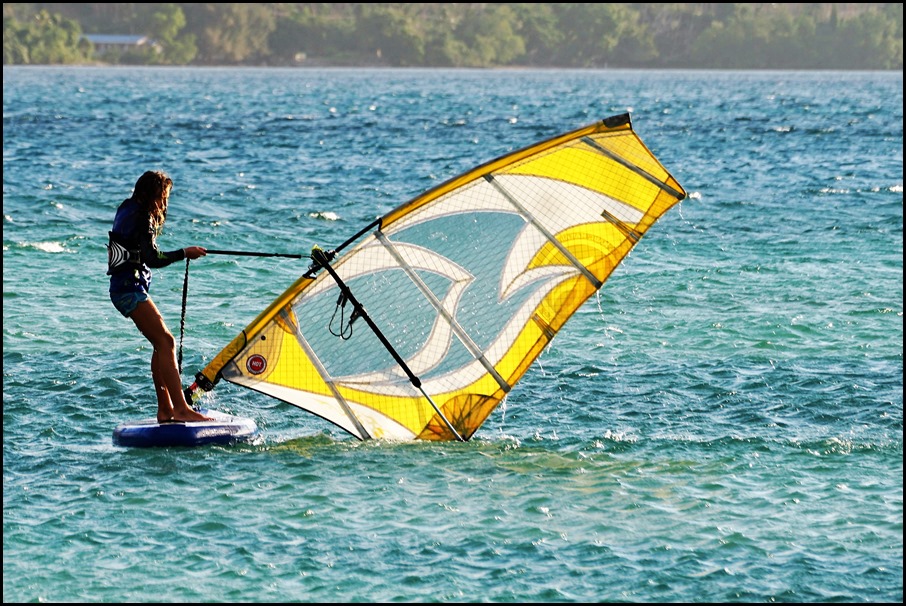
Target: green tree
311	31
288	42
487	36
674	27
591	32
537	25
635	44
741	42
442	48
167	23
230	33
389	33
44	39
498	35
871	39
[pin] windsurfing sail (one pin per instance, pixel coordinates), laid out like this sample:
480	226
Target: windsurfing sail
440	306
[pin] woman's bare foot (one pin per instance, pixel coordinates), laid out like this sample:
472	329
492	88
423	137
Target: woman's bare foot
164	413
189	415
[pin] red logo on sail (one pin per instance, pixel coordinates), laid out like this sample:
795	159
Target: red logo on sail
256	364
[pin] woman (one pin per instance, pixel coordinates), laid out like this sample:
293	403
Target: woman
131	254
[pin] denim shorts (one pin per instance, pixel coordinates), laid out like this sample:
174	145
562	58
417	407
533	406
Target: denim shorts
126	302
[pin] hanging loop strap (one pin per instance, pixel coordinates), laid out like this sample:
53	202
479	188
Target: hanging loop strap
345	329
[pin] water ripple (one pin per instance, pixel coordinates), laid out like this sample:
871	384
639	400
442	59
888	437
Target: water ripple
723	422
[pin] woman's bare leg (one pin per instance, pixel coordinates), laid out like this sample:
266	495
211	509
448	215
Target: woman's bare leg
164	372
164	405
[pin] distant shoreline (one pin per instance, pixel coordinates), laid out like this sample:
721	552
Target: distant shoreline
342	66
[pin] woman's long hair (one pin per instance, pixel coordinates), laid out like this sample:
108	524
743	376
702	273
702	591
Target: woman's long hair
151	191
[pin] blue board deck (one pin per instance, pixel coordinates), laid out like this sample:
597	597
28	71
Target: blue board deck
224	429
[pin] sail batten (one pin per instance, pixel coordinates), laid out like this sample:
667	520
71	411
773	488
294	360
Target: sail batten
550	237
436	310
328	380
444	313
640	171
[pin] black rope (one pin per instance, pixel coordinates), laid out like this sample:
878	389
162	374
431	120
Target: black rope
182	319
253	254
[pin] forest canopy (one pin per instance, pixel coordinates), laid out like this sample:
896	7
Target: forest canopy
568	35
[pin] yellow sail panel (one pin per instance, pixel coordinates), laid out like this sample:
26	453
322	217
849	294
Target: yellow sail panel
421	329
612	126
212	372
275	362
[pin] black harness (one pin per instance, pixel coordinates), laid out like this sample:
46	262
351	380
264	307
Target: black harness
120	253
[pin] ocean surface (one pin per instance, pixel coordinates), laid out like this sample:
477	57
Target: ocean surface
722	423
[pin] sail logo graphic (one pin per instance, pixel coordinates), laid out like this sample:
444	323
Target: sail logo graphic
256	364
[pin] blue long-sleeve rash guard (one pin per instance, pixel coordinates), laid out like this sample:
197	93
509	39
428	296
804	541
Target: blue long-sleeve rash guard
132	228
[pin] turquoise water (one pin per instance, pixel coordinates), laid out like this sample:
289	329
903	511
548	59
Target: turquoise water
724	422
